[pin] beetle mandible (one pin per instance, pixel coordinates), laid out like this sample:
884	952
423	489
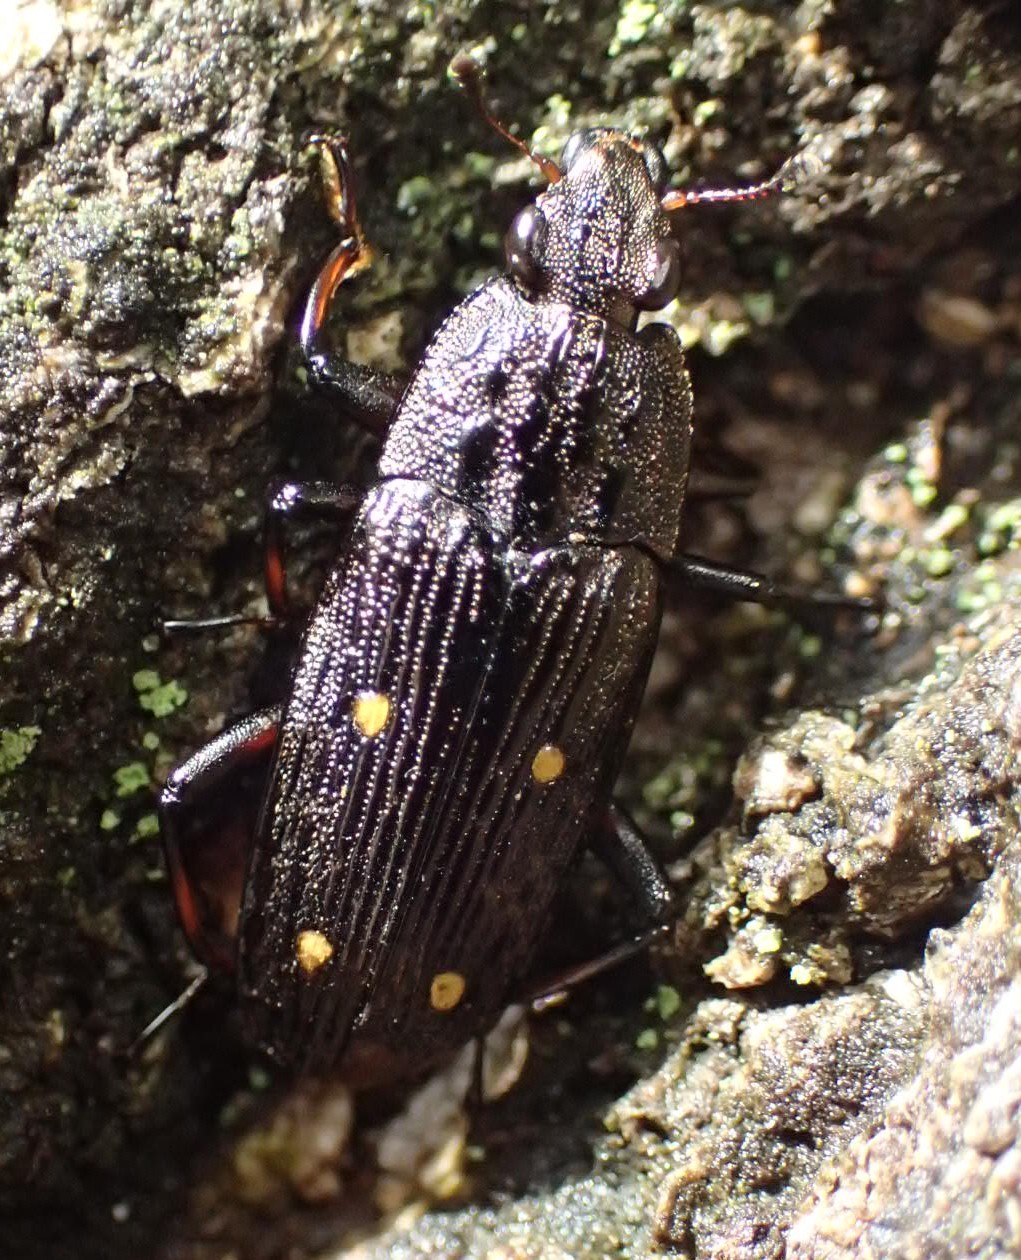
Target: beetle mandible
374	858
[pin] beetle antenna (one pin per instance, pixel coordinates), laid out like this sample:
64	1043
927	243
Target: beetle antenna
796	170
467	71
168	1012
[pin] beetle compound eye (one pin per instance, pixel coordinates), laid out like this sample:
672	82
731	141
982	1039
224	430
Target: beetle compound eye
655	164
525	246
667	276
573	149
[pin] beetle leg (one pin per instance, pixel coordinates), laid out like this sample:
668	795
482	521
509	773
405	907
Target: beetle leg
625	852
286	501
553	989
173	1008
706	487
367	396
208	814
620	845
720	579
184	625
476	1095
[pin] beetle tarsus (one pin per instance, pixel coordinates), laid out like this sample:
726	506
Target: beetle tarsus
620	845
338	182
285	501
476	1096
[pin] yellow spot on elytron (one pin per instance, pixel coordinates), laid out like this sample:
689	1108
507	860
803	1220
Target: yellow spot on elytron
371	712
446	990
313	949
547	764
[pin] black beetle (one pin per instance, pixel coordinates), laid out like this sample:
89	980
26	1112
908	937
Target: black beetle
374	859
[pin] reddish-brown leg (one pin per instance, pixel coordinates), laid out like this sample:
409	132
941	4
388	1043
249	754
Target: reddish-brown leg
209	812
366	396
290	500
285	501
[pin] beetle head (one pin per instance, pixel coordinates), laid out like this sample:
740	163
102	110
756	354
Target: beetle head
599	237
